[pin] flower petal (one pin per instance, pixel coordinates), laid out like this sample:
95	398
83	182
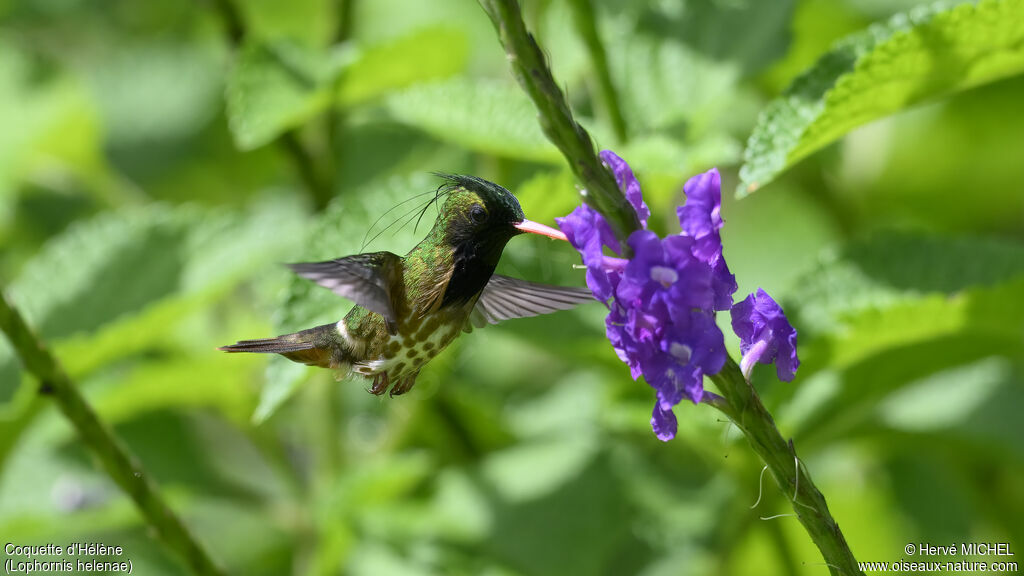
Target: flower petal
628	184
664	423
766	336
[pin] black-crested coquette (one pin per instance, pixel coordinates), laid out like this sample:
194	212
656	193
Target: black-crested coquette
410	308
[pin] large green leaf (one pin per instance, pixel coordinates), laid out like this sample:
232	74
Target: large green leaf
50	126
311	22
272	88
497	118
278	85
148	92
884	313
488	116
891	268
116	285
426	54
924	53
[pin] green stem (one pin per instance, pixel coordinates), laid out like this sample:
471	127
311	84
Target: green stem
586	25
556	120
119	464
746	411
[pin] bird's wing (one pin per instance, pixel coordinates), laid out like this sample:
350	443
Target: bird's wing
504	298
365	279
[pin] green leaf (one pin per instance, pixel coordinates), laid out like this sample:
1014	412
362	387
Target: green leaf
924	53
276	86
488	116
426	54
890	268
947	399
182	81
844	375
272	88
311	22
886	312
51	126
160	262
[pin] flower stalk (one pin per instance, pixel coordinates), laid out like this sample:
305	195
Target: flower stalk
744	408
533	74
738	401
115	459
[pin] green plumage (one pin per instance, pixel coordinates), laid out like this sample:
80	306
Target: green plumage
410	308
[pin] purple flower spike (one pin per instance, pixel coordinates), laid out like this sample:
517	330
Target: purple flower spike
701	219
766	336
627	183
662	301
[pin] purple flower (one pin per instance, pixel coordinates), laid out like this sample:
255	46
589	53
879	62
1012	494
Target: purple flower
683	353
590	233
666	272
663	422
628	184
662	302
766	335
701	219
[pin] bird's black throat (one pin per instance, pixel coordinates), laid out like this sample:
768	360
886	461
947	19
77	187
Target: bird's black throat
474	262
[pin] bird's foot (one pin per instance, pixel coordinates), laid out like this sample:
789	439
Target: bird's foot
380	384
404	385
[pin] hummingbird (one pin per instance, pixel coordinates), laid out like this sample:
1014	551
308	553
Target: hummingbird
410	308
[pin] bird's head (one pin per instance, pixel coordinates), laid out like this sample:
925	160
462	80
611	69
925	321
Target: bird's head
482	216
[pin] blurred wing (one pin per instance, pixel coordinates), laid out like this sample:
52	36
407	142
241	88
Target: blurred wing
504	298
365	279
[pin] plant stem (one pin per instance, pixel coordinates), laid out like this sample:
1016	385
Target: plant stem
586	25
746	411
556	120
119	464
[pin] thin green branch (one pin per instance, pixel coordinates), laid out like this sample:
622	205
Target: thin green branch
556	120
747	412
586	25
119	464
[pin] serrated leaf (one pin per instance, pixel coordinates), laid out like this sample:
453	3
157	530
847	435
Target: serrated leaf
488	116
927	52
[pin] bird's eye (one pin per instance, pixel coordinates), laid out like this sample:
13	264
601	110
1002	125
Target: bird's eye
478	214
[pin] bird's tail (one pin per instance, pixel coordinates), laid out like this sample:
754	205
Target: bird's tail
314	346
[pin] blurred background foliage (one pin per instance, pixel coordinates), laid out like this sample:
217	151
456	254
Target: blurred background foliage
159	159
